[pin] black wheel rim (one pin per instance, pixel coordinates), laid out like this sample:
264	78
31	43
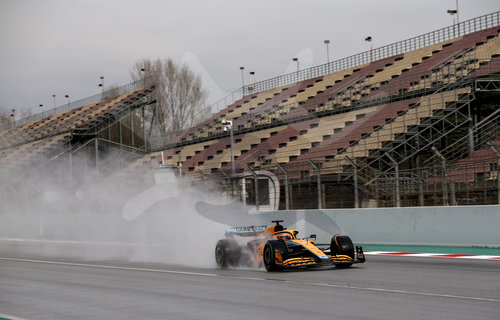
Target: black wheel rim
218	255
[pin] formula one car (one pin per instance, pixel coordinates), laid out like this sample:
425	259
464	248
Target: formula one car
278	249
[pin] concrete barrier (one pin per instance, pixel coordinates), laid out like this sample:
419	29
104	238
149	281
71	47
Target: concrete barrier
440	226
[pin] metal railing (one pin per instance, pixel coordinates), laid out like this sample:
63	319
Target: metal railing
437	36
465	183
358	93
86	101
460	184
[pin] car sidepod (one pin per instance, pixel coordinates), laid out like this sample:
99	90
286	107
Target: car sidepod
303	253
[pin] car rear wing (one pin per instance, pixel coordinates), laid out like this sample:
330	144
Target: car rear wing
245	231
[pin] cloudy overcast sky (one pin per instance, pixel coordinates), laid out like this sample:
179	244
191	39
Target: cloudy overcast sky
63	46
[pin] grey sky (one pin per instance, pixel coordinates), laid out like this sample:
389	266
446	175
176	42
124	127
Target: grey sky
63	46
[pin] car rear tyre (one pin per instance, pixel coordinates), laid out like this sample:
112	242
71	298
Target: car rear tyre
274	255
226	253
342	245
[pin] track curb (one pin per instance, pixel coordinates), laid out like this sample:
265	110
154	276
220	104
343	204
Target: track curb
433	255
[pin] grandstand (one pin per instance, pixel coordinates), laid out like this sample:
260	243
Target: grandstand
59	146
413	123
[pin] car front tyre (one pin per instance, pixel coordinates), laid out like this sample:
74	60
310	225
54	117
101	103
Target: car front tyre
269	255
342	245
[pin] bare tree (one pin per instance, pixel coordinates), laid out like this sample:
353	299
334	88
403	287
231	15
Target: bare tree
111	92
180	95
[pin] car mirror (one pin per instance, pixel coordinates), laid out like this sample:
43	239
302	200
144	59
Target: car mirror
312	236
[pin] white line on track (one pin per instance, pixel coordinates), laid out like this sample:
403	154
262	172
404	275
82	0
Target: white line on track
319	284
127	244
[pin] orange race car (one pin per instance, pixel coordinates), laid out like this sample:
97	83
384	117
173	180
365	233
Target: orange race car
278	249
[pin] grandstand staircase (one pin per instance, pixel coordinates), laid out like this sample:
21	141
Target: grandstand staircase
443	123
109	155
94	126
484	131
429	131
379	164
117	156
376	172
453	118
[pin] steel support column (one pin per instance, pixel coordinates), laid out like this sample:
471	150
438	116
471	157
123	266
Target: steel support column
396	168
287	183
497	153
180	165
96	150
256	187
227	182
444	182
320	202
355	181
70	160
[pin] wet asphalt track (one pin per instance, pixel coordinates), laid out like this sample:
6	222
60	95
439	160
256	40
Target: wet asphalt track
382	288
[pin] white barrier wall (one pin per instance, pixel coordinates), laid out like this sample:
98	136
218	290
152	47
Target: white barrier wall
450	226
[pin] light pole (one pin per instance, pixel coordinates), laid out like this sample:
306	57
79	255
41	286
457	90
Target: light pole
54	97
296	60
102	84
252	73
143	72
67	97
13	116
453	13
327	42
369	39
144	142
228	125
242	80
